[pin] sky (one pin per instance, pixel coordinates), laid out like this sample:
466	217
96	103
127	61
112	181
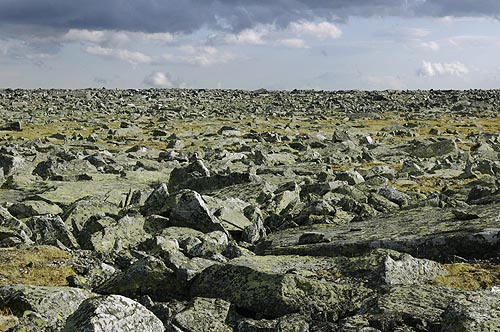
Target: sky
250	44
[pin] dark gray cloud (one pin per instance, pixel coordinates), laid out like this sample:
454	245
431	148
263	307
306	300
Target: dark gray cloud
234	15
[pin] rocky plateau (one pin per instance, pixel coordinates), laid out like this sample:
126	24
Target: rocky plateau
249	211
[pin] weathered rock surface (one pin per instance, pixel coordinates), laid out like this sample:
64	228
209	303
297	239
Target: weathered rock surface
424	232
112	313
276	286
41	308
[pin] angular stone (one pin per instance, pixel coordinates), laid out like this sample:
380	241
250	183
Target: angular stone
148	276
480	311
202	314
31	208
439	148
276	286
112	313
106	234
427	232
51	230
51	305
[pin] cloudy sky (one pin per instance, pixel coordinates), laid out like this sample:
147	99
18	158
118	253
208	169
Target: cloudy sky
250	44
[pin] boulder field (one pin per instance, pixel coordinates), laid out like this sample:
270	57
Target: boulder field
247	211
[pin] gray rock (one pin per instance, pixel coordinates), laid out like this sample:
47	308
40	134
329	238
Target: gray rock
112	313
31	208
202	314
51	230
439	148
192	211
277	286
107	235
148	276
428	232
480	311
41	308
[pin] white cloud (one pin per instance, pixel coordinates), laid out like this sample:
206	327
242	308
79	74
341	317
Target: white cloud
158	80
292	42
115	38
253	36
431	45
121	54
197	55
431	69
323	30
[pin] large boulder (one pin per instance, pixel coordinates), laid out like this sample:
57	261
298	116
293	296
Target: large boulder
202	314
112	313
77	214
107	234
41	308
276	286
148	276
427	232
12	230
192	211
479	311
51	230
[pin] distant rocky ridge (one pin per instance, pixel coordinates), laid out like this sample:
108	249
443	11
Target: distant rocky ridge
228	210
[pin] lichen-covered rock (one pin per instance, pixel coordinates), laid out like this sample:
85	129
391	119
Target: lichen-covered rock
51	230
408	270
202	314
77	214
148	276
428	232
12	230
41	308
112	313
107	234
480	311
277	286
31	208
192	211
435	149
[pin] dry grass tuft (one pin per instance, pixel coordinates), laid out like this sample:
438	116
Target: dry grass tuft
40	265
470	276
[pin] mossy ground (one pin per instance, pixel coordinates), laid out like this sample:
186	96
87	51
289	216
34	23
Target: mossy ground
40	265
470	276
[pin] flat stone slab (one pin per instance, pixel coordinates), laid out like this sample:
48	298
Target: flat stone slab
432	233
